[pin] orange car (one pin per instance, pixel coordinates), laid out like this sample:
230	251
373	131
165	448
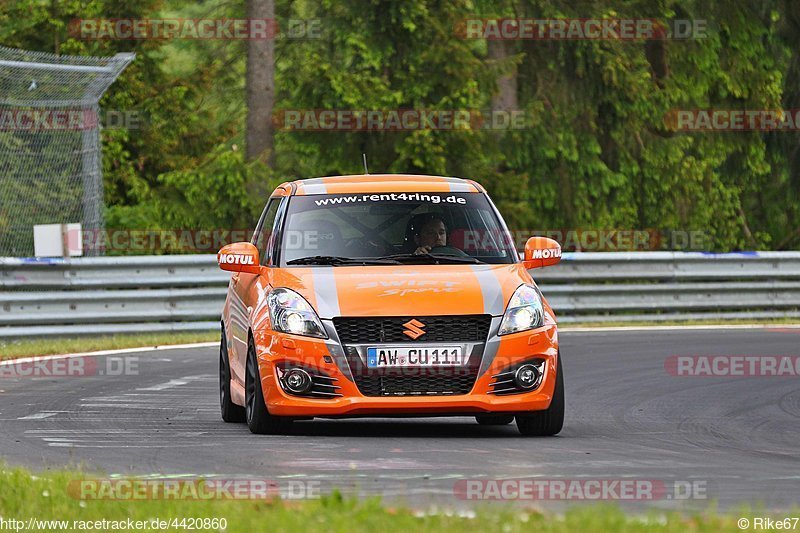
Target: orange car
387	295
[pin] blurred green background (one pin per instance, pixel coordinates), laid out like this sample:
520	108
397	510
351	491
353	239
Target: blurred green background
598	152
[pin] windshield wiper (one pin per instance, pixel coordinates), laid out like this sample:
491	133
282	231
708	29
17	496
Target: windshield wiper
438	258
336	260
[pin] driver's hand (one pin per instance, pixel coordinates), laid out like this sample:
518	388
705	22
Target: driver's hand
422	250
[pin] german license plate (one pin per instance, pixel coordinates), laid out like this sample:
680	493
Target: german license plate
413	356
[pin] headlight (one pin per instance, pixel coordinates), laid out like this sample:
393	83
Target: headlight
524	311
291	313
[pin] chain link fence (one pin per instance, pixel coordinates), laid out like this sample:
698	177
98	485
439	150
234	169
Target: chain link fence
50	153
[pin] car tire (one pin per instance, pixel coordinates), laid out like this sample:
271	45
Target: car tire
494	420
551	420
257	415
231	412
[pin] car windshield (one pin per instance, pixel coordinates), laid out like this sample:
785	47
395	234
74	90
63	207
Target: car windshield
392	228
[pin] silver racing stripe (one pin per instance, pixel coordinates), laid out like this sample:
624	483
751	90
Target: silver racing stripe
493	304
325	292
491	289
492	346
314	186
335	348
459	186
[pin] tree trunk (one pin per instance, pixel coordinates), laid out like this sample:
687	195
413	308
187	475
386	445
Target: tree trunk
260	85
505	99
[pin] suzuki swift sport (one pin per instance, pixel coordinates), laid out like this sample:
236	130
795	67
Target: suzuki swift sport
387	295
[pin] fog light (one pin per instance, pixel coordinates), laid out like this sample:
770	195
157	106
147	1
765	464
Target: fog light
526	377
297	381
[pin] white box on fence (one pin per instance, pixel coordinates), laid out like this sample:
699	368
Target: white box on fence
57	240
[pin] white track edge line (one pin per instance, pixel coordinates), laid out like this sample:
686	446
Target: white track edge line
159	348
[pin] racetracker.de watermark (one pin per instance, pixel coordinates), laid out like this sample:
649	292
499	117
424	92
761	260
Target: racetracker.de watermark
158	240
169	489
194	29
597	240
399	119
727	366
601	489
41	120
571	240
566	29
733	119
69	367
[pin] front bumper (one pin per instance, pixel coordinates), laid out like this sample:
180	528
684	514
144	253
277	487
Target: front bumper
328	358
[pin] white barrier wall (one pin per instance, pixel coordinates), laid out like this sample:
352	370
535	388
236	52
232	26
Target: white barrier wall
84	296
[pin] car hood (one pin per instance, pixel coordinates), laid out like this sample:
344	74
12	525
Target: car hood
406	290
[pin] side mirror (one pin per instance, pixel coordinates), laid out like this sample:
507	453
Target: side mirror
239	257
541	252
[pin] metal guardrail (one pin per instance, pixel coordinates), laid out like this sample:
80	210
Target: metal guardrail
57	297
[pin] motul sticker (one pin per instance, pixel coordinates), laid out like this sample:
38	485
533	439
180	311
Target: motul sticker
547	253
236	259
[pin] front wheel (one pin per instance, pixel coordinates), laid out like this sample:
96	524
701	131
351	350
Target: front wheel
551	420
259	420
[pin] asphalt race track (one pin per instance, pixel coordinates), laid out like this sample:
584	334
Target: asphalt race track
737	439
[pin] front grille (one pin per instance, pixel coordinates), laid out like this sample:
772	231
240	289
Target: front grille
416	385
458	328
413	381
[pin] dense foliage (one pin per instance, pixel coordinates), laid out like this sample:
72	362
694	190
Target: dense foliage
597	152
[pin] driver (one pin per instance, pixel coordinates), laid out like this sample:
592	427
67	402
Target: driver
431	233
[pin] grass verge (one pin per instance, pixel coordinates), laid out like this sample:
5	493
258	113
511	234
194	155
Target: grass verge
653	323
46	497
37	347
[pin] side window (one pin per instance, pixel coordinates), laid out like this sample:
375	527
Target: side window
264	231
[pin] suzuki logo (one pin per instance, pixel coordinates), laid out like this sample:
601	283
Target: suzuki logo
414	330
